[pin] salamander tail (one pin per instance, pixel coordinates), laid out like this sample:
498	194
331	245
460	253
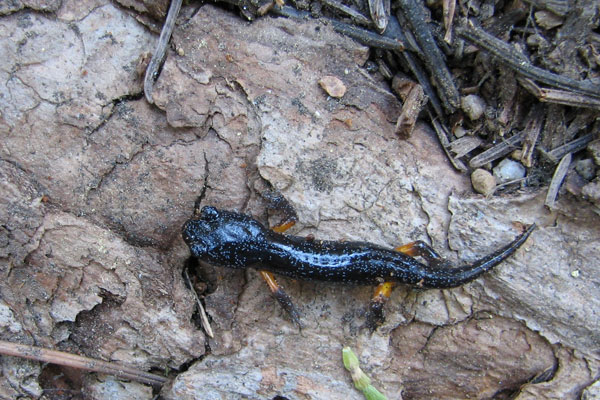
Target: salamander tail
461	275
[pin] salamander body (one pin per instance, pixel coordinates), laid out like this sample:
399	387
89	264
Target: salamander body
236	240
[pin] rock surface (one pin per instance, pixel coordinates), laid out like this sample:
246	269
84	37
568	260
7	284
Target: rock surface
96	185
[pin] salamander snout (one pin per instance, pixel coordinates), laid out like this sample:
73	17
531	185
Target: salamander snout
216	231
194	232
209	213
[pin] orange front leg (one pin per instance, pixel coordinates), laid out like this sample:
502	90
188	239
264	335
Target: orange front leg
285	301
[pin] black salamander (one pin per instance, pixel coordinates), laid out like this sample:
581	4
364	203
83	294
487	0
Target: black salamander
236	240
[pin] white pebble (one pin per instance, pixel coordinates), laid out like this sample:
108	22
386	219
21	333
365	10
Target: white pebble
509	170
473	106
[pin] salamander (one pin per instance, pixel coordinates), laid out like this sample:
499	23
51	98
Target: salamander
235	240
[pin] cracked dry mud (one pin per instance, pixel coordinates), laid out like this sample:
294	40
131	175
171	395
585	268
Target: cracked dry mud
96	185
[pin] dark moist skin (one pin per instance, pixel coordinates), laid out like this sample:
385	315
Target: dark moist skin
236	240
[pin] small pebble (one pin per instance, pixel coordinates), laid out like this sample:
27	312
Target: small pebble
333	86
536	40
509	170
459	131
591	191
473	106
483	182
586	169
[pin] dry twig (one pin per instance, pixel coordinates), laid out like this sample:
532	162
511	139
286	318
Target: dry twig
557	178
79	362
449	7
442	135
532	131
563	97
395	31
364	36
202	312
464	145
367	37
351	12
573	146
497	151
414	13
509	56
380	13
161	49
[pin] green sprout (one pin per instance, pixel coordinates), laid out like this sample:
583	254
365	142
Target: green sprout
361	381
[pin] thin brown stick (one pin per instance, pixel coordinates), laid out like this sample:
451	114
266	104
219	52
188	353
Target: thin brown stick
464	145
414	13
442	134
573	146
448	7
367	37
559	175
202	312
557	96
358	17
521	64
161	49
497	151
535	120
79	362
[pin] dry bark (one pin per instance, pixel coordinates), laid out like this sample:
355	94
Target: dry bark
96	185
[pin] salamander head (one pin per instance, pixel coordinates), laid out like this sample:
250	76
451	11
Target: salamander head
220	236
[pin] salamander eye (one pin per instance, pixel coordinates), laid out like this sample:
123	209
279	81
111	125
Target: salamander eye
194	230
209	213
